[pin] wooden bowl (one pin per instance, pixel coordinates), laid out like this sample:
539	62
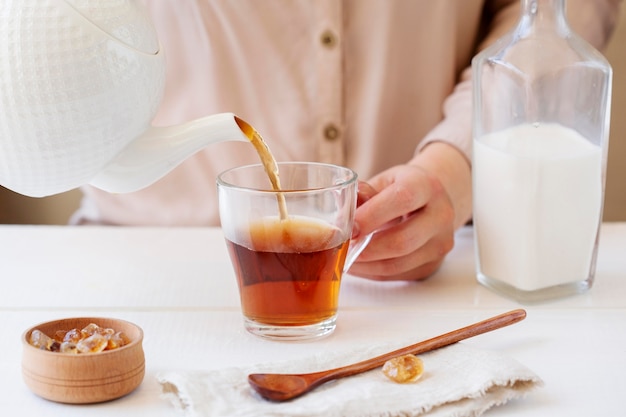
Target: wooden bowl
85	377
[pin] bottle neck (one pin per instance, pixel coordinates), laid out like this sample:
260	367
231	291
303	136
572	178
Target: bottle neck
544	16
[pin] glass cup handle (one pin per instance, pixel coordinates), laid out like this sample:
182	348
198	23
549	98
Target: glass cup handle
355	249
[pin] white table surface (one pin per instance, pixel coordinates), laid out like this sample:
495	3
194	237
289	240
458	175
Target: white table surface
178	285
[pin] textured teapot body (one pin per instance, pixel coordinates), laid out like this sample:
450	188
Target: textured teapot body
80	82
72	94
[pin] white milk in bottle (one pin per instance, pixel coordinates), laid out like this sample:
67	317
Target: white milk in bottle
541	112
537	206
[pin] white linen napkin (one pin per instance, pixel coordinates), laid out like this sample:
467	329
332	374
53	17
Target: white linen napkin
458	380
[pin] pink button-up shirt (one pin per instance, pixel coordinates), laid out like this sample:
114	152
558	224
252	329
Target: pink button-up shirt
361	83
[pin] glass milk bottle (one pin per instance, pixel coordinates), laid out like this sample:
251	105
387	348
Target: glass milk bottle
540	126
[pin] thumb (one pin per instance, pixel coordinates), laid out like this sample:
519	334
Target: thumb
364	193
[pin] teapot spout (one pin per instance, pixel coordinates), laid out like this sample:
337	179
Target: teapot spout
161	149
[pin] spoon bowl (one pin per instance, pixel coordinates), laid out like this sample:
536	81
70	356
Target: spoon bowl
283	387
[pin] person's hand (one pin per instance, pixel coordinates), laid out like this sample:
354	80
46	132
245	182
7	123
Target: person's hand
414	216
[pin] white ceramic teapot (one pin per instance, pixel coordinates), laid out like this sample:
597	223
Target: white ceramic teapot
80	82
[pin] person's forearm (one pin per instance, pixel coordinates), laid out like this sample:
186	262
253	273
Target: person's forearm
593	20
453	170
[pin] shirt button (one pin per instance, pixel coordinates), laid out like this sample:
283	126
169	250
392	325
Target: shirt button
328	39
331	132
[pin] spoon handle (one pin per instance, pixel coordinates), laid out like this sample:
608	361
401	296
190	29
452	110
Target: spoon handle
437	342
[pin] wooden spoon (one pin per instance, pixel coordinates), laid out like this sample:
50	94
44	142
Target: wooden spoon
282	387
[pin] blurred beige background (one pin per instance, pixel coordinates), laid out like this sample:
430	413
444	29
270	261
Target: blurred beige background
57	209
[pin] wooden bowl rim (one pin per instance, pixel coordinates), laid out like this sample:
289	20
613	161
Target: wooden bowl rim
90	319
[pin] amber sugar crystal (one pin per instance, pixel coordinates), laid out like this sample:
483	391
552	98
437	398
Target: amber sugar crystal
404	369
90	339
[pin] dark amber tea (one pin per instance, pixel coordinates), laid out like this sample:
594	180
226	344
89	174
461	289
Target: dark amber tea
290	270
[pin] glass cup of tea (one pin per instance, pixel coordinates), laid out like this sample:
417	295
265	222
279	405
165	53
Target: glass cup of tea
290	247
